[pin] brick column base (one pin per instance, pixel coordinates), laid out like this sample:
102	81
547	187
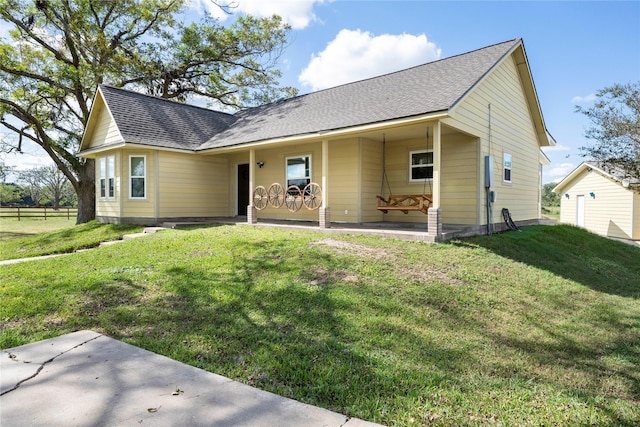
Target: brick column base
252	214
434	227
325	218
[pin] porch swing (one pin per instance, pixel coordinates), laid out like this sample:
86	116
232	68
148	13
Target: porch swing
403	202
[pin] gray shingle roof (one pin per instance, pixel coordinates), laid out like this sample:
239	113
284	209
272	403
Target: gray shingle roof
432	87
147	120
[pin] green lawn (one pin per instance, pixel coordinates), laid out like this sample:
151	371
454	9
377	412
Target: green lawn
35	237
540	327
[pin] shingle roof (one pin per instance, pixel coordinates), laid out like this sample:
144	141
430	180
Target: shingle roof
147	120
432	87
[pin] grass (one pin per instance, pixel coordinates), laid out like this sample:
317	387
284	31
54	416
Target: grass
30	238
551	212
540	327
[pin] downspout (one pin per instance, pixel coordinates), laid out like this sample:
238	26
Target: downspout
488	180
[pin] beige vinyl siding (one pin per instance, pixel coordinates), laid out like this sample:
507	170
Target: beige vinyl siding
397	170
512	131
459	183
370	180
343	181
274	170
192	186
138	208
105	131
609	213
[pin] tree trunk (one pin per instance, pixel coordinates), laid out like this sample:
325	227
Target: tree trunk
86	191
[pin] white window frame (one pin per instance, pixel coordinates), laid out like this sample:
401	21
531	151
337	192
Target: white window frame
307	178
132	176
107	177
507	158
413	166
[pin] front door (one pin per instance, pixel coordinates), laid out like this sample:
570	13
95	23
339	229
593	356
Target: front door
243	189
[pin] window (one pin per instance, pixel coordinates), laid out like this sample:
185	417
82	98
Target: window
506	167
138	177
421	165
299	171
107	177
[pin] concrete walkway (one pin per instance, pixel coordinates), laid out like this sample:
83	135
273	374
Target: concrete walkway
88	379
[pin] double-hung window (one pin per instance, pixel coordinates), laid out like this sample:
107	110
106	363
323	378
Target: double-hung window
506	167
107	177
299	171
138	177
420	165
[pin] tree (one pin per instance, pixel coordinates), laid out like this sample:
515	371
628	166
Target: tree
549	198
47	184
60	50
615	130
10	193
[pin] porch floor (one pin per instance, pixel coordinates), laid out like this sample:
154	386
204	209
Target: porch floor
392	230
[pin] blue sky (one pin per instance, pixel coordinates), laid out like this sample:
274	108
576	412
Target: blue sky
574	48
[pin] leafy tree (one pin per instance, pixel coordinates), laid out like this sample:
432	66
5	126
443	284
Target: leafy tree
49	184
549	198
10	193
60	50
615	129
32	180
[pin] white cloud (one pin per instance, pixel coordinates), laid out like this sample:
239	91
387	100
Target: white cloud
558	171
583	99
357	55
297	13
556	149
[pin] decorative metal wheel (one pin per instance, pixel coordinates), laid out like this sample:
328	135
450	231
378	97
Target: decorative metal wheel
312	196
293	198
260	197
276	195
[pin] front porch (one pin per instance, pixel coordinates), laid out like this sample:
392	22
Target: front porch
391	230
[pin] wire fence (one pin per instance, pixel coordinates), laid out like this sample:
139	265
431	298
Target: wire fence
30	212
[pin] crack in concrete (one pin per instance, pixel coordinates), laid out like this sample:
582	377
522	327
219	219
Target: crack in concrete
13	357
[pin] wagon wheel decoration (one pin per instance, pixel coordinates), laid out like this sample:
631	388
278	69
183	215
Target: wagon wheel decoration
312	196
260	197
293	198
276	195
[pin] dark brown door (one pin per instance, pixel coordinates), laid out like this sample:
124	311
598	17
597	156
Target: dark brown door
243	189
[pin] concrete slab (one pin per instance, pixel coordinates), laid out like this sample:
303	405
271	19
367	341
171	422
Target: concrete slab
86	378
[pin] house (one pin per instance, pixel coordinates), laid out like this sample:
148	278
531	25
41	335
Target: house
601	201
458	139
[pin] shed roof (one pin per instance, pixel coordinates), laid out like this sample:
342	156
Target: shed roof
615	174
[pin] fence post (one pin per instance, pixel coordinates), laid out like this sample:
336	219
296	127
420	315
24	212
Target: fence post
18	213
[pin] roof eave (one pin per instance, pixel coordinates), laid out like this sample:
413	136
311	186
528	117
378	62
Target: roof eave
330	133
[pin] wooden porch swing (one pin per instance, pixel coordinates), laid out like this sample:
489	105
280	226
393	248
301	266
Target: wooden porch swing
402	202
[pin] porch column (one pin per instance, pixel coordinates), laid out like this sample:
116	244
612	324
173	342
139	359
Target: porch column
325	213
252	212
434	227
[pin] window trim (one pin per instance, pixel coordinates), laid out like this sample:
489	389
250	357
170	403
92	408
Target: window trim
132	176
286	169
107	176
505	168
412	166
